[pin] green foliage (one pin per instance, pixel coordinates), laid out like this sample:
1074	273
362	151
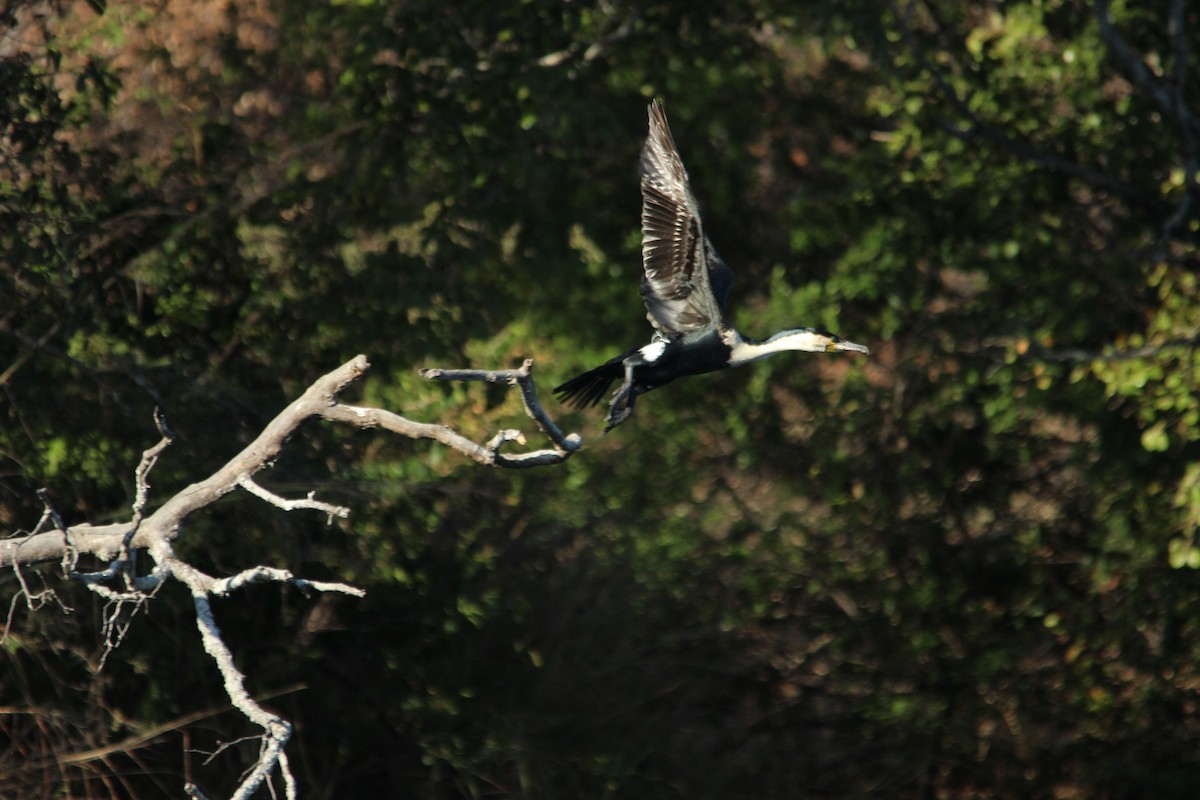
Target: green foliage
963	566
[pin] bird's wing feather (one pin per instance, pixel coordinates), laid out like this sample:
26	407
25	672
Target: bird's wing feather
720	278
684	282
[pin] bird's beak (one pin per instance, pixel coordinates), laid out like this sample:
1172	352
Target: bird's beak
849	347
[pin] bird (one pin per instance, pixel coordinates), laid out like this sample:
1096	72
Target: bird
685	288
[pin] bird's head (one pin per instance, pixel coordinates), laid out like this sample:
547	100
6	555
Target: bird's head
812	340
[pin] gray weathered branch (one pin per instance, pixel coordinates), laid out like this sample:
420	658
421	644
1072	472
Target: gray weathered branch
564	444
320	401
155	532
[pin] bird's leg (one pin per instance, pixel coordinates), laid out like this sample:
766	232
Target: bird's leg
621	405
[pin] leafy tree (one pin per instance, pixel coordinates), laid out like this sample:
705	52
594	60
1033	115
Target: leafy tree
964	567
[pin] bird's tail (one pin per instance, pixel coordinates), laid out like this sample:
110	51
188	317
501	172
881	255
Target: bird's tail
589	388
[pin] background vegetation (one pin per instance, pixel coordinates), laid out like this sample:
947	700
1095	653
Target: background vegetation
965	567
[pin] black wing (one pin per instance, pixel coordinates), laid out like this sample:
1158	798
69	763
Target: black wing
684	282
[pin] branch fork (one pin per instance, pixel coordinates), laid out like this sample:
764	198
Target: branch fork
565	445
154	532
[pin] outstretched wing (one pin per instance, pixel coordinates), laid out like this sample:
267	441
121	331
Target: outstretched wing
684	282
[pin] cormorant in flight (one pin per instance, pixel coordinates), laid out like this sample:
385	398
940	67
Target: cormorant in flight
685	285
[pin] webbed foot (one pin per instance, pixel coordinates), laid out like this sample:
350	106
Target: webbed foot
620	408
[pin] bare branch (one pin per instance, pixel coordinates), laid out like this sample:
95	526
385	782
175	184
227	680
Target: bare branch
142	737
273	575
276	730
35	600
247	483
564	445
114	630
149	459
50	513
123	565
156	531
107	541
320	400
31	348
289	780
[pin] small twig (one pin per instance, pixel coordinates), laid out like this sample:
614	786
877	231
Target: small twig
31	349
508	376
123	565
247	483
140	590
142	737
137	585
34	346
42	520
94	583
70	555
35	600
12	610
50	512
209	757
149	459
113	630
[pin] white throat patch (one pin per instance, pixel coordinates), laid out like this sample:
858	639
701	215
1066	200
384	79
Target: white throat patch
743	352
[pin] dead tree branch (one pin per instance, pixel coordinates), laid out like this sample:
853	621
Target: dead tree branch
320	401
276	730
564	445
155	532
247	483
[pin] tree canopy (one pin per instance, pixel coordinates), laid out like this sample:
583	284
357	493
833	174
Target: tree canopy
966	566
